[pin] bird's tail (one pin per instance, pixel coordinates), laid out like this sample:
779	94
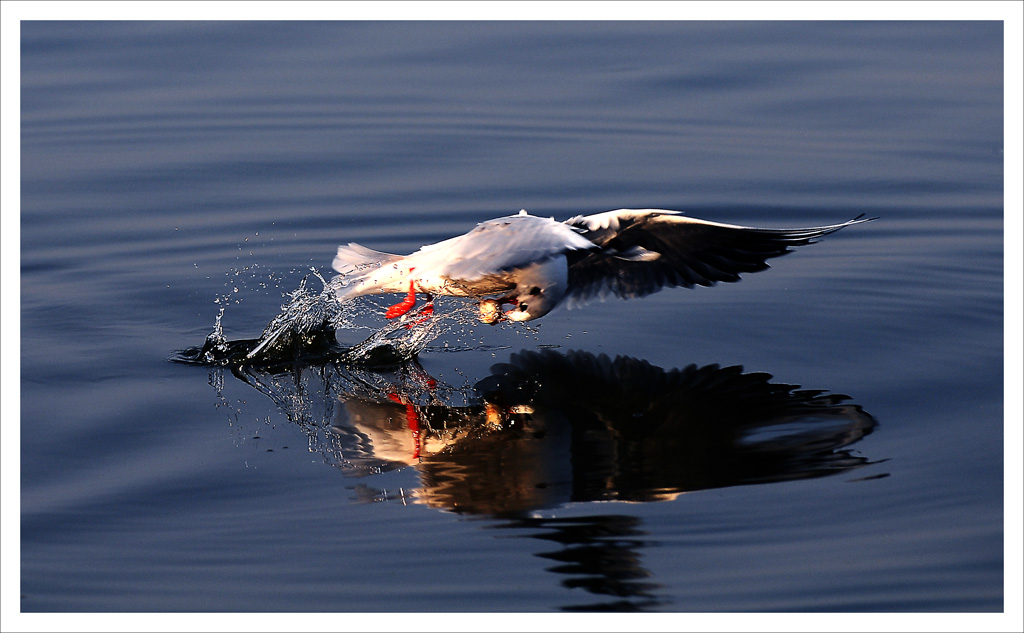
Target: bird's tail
356	263
353	257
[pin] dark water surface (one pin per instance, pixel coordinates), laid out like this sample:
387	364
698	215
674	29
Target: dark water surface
823	436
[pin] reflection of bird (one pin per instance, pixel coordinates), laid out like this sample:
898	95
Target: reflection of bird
535	263
548	427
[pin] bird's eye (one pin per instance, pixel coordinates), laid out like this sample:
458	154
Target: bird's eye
522	307
535	291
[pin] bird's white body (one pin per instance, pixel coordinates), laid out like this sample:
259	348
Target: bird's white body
536	263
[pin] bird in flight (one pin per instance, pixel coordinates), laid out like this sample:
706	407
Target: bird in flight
532	264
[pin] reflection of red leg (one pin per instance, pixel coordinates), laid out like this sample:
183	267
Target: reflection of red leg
423	377
412	420
405	305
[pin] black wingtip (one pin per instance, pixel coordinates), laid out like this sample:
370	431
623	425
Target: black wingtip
860	218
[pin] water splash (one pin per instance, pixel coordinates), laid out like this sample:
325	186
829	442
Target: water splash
410	335
306	328
216	344
304	320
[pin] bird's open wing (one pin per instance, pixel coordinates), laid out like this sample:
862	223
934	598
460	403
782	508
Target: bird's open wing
498	246
644	250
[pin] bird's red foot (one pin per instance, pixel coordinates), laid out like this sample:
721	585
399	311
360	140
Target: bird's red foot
405	305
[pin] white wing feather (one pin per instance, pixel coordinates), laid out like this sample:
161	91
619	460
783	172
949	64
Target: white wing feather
497	246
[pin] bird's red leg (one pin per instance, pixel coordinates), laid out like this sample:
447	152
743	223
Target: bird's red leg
405	305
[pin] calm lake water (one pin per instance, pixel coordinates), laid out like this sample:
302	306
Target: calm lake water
824	436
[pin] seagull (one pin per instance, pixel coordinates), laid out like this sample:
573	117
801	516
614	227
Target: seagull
533	264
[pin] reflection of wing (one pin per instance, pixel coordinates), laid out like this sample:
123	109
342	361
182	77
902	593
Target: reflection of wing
644	250
650	430
600	553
